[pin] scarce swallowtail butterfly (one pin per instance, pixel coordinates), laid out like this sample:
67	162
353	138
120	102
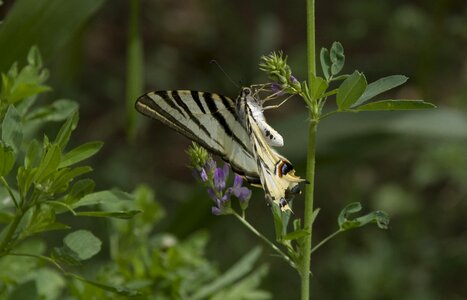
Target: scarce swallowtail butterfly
234	130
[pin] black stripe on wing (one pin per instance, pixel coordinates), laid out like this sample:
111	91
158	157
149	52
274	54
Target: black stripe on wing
165	95
229	106
220	118
195	96
195	120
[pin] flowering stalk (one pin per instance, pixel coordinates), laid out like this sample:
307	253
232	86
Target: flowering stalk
215	179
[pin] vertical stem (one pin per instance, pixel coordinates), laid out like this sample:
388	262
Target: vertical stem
134	80
310	176
305	262
310	28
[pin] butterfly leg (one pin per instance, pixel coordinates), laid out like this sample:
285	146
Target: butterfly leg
277	105
284	206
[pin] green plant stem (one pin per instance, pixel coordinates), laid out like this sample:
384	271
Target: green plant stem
328	114
311	46
42	257
134	80
11	230
258	234
325	240
5	183
305	262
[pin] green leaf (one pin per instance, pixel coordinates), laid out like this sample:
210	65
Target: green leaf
65	176
378	217
25	177
111	288
239	270
380	86
80	153
49	163
6	217
102	197
57	111
326	63
23	90
246	288
111	214
314	215
12	129
79	190
28	23
42	219
32	155
26	83
34	57
64	134
297	224
7	159
295	235
83	243
278	222
350	90
337	58
399	104
49	283
65	255
318	87
25	290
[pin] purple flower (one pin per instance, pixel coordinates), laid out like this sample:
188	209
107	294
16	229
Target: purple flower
216	211
293	79
212	194
242	193
222	205
203	175
210	165
226	197
220	176
276	88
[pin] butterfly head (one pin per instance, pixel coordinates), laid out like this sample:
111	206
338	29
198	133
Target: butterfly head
245	92
249	96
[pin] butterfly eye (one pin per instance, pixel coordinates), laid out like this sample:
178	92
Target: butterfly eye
246	91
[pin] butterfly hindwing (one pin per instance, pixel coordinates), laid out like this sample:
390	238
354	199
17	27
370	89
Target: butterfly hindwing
276	173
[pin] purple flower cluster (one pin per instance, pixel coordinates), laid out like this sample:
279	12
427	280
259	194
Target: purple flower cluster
216	180
283	88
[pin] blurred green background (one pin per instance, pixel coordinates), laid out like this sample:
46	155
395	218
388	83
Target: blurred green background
411	164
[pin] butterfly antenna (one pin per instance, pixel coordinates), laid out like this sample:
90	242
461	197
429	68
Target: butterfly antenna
225	73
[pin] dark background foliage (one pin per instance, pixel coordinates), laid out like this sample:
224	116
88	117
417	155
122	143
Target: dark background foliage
410	164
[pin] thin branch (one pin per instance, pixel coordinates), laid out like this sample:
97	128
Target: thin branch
325	240
5	183
271	244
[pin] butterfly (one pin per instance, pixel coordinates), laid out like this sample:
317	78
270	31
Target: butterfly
236	131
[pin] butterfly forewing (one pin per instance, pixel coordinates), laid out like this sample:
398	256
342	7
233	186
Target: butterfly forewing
206	118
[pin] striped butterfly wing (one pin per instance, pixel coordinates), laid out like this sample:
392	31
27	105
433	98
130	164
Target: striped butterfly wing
208	119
